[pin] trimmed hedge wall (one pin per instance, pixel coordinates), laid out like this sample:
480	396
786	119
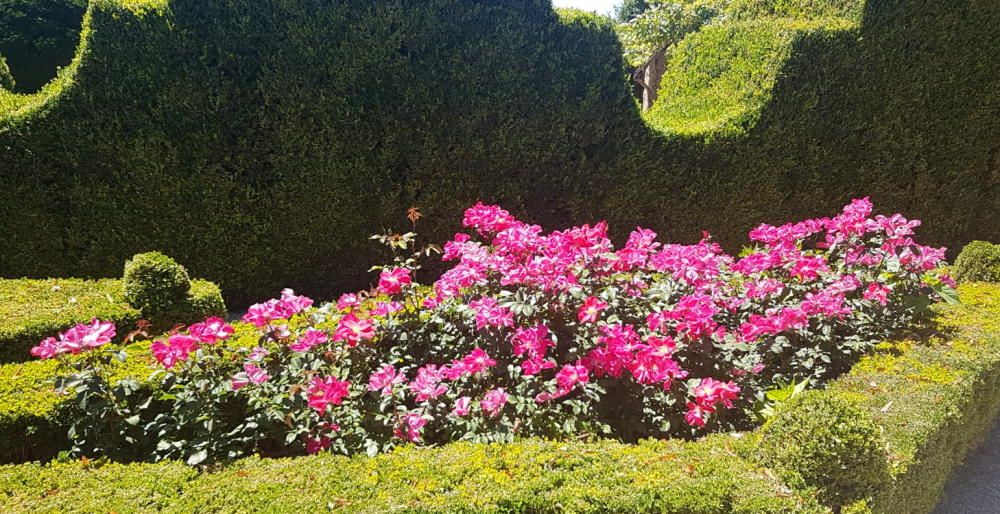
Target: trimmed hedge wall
31	310
935	402
262	142
787	109
901	421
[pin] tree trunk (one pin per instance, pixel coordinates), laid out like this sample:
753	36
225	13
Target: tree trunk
652	74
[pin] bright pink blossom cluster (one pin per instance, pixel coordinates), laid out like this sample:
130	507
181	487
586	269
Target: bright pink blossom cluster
707	396
80	338
290	304
326	391
179	347
781	287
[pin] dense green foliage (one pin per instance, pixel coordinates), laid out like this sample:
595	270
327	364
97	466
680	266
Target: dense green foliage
34	309
664	24
312	125
931	402
786	106
824	440
533	476
155	283
978	262
628	9
934	400
6	79
38	37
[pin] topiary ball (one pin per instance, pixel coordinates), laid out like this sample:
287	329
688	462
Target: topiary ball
6	78
825	442
978	262
155	283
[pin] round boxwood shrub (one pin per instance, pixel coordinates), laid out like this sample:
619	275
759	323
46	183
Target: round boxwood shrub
155	283
825	442
6	79
978	262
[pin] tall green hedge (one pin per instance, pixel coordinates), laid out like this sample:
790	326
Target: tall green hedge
788	108
262	142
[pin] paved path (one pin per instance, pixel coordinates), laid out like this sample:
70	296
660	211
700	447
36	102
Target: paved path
975	487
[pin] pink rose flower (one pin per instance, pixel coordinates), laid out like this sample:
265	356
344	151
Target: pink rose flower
352	330
326	391
477	361
493	402
591	309
212	330
348	301
177	349
697	414
308	340
410	426
47	349
252	374
391	281
294	303
461	407
877	293
385	379
427	385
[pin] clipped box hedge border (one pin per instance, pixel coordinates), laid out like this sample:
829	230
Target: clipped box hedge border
930	402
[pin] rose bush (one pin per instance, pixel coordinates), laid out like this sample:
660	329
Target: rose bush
542	334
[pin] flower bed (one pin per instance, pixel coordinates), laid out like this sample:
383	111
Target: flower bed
941	394
553	335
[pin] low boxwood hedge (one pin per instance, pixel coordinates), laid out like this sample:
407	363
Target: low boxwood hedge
935	401
31	310
532	476
932	401
911	411
33	417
